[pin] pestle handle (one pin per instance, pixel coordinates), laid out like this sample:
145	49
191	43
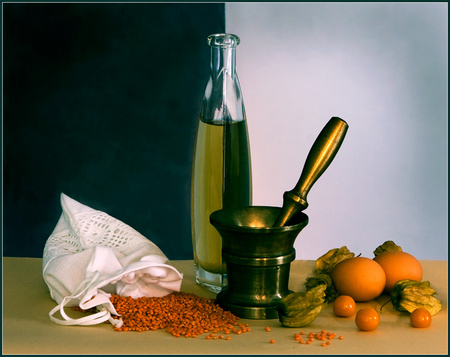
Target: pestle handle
319	158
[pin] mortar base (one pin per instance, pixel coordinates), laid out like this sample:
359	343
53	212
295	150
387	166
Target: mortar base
247	312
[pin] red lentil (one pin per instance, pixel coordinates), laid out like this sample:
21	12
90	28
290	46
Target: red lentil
179	313
188	315
323	337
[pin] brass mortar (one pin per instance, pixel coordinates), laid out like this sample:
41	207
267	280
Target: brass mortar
257	257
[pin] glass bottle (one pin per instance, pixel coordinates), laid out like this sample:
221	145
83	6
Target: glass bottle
221	172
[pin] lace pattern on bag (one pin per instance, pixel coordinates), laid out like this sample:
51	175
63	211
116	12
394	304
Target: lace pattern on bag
89	229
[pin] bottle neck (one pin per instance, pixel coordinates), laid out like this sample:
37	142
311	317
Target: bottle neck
223	62
222	101
223	54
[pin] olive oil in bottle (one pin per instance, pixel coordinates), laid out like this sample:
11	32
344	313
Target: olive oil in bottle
218	184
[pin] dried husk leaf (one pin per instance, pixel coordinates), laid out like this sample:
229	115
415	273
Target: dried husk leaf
303	319
301	308
326	263
323	279
388	246
409	295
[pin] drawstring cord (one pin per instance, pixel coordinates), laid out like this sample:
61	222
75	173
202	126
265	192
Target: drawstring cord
99	317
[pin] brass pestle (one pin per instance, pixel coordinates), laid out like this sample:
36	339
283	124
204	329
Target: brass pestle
319	158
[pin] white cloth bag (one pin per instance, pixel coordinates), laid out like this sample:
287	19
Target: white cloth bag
91	255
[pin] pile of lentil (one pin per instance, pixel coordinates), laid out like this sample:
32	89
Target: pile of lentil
179	313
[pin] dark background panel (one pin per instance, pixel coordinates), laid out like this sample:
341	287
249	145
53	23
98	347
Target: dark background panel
101	103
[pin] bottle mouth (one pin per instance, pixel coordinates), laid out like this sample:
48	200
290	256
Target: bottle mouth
223	40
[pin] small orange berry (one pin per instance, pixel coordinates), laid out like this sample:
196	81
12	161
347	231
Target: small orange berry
420	317
367	319
344	306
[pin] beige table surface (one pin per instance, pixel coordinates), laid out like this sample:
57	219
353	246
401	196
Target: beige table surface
28	330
